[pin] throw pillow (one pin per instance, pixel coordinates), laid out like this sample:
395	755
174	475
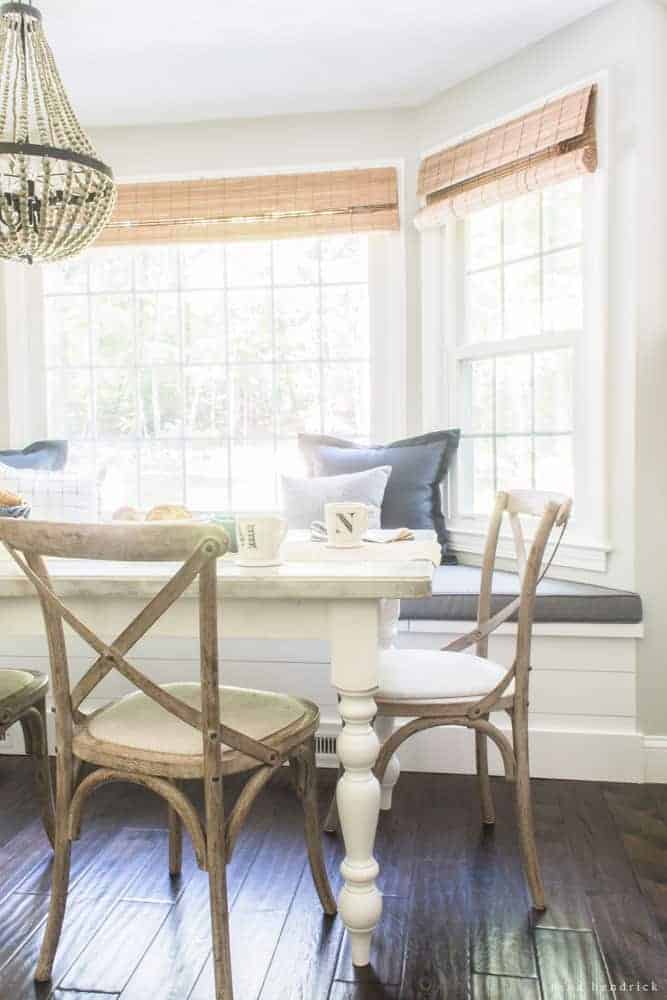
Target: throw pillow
51	455
419	465
304	499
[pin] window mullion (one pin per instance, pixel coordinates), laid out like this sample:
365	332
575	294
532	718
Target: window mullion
138	439
320	295
533	400
519	345
275	371
91	377
228	379
495	363
532	420
181	382
494	427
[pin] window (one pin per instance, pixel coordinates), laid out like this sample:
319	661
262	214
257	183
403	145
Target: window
520	290
184	373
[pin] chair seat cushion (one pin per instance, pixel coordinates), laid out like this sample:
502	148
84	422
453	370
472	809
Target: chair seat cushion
425	675
138	722
12	681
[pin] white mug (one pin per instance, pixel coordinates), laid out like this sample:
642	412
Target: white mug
347	523
259	538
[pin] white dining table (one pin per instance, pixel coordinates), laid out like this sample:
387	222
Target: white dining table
349	598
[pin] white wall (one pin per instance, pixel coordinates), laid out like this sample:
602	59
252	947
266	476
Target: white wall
650	425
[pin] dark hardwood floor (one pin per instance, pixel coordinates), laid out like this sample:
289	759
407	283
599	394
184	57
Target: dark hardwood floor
456	921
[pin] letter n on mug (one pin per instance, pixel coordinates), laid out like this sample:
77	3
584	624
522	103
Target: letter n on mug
347	523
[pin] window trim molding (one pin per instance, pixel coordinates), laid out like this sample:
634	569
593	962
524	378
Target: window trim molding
21	310
388	333
468	537
588	546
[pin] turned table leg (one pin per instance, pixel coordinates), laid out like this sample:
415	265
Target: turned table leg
354	648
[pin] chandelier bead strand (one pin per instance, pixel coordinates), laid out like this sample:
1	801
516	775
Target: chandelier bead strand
56	195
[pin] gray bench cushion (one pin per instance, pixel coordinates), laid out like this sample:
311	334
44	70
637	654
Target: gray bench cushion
456	592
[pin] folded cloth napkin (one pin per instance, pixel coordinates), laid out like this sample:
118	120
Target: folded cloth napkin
318	533
384	538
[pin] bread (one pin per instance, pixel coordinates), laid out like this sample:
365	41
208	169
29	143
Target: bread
169	512
8	499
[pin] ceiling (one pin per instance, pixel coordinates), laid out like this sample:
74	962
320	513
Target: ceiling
126	62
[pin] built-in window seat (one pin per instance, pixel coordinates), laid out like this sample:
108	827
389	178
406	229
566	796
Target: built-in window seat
583	714
456	593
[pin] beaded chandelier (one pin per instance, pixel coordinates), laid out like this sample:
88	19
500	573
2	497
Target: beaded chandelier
56	195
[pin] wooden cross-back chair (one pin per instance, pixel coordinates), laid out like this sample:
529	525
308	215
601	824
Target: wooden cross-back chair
450	688
160	734
23	700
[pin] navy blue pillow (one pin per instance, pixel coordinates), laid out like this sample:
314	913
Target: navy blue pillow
50	455
413	498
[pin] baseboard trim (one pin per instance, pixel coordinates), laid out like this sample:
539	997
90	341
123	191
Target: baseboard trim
655	759
583	755
555	753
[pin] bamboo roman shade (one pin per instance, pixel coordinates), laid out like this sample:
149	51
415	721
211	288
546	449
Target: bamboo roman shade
543	147
255	208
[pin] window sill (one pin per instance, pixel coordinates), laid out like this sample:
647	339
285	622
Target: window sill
468	537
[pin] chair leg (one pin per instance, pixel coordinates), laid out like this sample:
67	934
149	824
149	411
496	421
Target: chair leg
307	787
384	727
175	842
33	724
524	811
217	881
483	780
331	822
61	870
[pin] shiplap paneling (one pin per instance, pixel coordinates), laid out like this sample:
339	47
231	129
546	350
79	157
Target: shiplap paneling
582	689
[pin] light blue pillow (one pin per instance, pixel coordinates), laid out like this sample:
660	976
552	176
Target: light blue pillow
304	499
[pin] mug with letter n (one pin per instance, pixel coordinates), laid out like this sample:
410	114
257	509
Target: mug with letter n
259	538
347	523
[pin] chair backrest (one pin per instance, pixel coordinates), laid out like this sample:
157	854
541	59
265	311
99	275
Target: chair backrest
196	547
551	511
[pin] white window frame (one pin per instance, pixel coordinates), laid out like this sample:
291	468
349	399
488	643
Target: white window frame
587	546
21	308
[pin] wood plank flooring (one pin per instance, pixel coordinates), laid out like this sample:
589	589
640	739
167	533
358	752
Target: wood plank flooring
456	922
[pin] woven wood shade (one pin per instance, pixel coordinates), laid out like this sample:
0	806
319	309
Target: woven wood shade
543	147
255	208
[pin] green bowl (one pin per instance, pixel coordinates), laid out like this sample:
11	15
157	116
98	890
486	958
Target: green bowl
228	522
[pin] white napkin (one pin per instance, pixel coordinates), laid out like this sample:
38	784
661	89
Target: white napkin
318	533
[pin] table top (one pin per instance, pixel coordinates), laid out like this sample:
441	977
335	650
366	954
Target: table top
396	570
